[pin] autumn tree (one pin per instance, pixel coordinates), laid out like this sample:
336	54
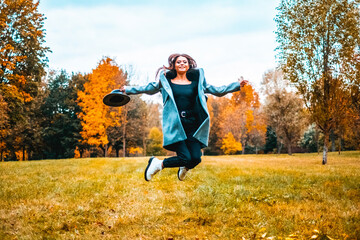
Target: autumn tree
239	117
318	41
96	117
215	107
284	109
230	145
22	62
3	126
134	128
155	142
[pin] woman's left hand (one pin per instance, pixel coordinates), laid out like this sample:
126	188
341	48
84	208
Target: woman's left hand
243	82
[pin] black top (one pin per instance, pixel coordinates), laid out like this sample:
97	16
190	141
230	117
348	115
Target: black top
184	95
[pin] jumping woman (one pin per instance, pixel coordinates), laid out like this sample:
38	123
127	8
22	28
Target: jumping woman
186	120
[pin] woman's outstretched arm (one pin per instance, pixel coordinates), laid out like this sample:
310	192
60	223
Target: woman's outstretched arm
223	90
150	88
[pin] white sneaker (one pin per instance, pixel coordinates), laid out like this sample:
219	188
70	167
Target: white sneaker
182	173
154	166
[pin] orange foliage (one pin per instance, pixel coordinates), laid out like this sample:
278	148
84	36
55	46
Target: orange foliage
96	117
243	118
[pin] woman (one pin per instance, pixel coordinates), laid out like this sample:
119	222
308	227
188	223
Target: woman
186	121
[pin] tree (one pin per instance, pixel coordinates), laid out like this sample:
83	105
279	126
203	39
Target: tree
239	117
284	109
96	117
310	140
230	145
134	127
22	62
215	106
154	147
61	127
3	126
318	44
271	140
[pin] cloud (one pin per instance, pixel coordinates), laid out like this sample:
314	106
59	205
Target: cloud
226	41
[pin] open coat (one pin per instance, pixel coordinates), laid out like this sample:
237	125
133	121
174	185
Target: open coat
173	130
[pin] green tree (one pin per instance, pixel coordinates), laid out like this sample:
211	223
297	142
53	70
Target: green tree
310	140
61	128
271	140
318	44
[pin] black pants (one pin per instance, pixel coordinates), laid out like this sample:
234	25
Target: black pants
188	151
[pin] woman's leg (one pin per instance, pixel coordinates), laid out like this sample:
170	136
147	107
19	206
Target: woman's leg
188	154
194	147
182	158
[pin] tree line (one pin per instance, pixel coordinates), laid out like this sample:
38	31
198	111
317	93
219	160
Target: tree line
310	101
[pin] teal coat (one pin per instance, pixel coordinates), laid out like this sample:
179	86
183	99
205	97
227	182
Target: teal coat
173	130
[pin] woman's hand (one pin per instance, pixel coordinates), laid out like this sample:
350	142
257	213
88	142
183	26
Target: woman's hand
122	89
243	82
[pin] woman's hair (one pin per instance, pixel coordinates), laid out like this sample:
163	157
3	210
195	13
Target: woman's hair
172	59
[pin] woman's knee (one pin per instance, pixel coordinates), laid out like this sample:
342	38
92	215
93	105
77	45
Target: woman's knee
193	163
185	158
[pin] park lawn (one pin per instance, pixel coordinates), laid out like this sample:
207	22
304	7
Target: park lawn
225	197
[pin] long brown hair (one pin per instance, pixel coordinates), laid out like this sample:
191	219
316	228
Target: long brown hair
172	59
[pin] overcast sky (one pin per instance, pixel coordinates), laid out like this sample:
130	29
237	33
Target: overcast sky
228	39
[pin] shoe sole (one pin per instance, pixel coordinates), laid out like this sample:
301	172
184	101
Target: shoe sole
179	175
149	163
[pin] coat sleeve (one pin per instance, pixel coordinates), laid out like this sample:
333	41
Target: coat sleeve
151	88
222	90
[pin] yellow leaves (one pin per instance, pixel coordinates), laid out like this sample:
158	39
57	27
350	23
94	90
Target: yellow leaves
135	150
97	117
243	118
230	145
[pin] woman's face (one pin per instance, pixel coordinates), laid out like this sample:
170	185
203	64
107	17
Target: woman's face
181	65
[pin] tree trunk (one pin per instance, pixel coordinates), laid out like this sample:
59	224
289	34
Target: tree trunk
23	156
124	132
289	149
106	150
339	145
145	121
243	147
144	145
317	140
325	152
333	145
279	147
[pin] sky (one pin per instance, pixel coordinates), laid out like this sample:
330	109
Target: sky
227	38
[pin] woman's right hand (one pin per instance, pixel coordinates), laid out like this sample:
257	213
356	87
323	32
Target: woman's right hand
122	89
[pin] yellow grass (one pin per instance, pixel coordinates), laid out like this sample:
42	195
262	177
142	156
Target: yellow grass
225	197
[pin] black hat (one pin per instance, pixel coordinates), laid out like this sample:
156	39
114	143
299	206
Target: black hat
116	98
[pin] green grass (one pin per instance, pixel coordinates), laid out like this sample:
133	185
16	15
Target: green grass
225	197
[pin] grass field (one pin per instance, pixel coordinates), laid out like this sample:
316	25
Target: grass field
225	197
